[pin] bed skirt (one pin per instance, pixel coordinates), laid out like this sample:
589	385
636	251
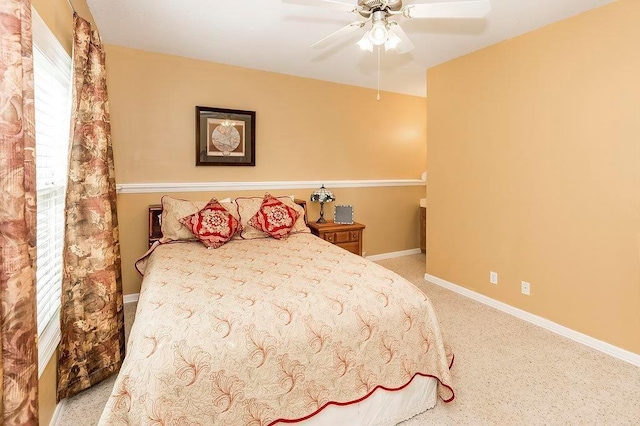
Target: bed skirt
382	408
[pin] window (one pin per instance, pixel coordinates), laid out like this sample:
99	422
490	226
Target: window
52	86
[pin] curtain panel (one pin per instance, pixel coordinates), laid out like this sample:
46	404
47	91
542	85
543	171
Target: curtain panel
91	315
18	324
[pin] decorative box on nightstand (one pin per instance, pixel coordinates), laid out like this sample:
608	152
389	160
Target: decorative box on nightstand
349	237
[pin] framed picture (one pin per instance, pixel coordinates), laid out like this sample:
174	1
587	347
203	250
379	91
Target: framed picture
343	215
225	137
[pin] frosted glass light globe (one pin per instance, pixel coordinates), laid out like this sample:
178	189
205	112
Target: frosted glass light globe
378	34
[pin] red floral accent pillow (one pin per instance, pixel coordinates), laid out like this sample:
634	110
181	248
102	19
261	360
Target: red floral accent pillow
274	218
213	225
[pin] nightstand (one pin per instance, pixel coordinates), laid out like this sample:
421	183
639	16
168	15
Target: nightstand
155	233
349	237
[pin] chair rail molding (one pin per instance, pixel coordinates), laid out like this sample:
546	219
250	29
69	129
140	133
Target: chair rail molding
160	187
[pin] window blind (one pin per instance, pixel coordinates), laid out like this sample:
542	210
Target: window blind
52	87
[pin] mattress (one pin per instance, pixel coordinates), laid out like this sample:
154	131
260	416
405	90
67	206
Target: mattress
265	331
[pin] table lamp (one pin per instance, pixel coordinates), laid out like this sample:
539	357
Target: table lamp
322	195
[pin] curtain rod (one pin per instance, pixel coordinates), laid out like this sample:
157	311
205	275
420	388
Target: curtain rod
71	5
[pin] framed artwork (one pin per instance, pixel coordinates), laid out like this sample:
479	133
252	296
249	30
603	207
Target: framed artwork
225	137
343	215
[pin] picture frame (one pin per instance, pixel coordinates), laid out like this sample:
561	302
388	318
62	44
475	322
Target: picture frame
225	137
343	215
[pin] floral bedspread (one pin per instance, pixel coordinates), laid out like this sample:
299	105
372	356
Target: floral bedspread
265	330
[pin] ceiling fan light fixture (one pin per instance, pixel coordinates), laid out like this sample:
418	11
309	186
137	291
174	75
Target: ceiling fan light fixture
392	42
365	44
381	13
378	34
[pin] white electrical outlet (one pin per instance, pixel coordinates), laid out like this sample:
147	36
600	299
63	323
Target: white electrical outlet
493	277
526	288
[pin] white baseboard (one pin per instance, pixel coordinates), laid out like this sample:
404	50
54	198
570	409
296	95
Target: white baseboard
130	298
607	348
57	414
393	254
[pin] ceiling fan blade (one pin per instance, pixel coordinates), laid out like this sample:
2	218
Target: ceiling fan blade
333	36
329	4
405	45
458	9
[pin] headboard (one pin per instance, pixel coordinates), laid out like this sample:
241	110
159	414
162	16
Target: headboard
155	211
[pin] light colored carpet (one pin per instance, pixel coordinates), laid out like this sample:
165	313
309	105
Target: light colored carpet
506	372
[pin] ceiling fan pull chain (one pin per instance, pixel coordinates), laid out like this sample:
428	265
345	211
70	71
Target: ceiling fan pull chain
378	72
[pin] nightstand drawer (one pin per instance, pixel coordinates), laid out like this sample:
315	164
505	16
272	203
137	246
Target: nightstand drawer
346	236
343	237
353	247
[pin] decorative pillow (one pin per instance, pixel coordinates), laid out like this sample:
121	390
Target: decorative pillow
213	225
249	206
174	209
274	218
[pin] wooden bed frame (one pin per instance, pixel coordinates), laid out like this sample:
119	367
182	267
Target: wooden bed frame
155	212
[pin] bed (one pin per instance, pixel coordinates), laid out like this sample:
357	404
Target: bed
265	331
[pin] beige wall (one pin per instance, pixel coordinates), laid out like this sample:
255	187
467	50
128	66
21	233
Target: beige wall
59	18
47	392
534	172
306	130
391	216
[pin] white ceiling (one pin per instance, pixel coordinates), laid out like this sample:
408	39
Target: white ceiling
272	36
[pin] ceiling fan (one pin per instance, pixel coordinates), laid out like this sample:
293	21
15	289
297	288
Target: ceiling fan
385	31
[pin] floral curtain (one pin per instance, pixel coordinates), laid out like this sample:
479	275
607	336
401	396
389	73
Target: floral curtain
18	324
91	316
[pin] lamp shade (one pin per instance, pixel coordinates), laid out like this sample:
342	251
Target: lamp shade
378	34
392	42
365	44
322	195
